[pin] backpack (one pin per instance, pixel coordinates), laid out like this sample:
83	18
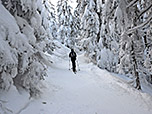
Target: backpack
73	55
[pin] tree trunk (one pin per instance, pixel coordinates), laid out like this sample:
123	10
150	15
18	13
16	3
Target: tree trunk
100	22
135	67
98	36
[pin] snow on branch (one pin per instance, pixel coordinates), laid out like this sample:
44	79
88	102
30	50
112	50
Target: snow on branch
140	26
142	12
131	3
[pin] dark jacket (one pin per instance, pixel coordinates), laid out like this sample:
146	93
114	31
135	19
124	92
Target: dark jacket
72	55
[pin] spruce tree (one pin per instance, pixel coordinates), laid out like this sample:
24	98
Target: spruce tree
90	28
26	44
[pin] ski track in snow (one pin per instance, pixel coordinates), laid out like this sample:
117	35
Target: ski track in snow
90	91
24	107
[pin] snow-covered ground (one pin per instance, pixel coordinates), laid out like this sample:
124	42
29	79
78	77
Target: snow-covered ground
90	91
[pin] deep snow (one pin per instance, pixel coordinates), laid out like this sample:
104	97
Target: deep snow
90	91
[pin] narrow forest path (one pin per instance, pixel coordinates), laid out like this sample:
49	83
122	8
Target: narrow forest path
90	91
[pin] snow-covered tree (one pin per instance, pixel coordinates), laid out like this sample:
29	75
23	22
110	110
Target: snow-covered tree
75	28
148	54
147	38
64	21
24	33
47	13
107	54
50	17
132	24
90	28
96	38
122	40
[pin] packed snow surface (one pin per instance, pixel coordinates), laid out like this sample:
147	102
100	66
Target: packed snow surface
89	91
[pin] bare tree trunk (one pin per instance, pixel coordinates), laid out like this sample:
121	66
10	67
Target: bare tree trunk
135	67
98	36
133	53
100	22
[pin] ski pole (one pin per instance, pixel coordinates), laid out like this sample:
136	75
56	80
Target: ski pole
69	64
78	65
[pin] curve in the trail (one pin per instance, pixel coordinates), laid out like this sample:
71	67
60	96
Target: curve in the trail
90	91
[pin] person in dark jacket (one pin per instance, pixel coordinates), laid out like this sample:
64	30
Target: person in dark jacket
73	56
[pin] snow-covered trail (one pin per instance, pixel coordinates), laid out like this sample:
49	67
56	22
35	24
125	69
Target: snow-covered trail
90	91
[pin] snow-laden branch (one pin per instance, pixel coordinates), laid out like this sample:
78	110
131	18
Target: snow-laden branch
139	26
142	12
131	3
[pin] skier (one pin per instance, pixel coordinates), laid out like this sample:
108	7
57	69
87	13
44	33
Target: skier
73	56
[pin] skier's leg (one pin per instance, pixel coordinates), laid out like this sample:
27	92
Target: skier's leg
69	64
73	66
